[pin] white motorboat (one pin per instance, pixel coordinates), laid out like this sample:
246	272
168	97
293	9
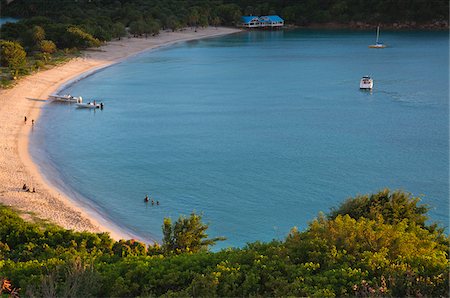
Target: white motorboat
90	105
366	83
66	98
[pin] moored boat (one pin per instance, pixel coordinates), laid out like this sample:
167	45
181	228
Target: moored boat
378	44
66	98
90	105
366	83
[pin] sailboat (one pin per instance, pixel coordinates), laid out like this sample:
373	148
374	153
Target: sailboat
378	44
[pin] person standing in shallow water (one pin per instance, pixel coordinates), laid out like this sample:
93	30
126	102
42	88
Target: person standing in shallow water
146	199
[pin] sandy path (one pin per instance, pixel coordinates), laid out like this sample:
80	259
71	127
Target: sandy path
16	166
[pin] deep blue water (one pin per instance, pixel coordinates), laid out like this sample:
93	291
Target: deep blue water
259	131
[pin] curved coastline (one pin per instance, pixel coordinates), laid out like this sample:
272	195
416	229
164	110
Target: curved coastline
17	167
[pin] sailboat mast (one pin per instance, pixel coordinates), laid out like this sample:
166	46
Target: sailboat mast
378	32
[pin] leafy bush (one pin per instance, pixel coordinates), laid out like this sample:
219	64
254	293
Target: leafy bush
393	207
371	252
47	46
12	55
82	39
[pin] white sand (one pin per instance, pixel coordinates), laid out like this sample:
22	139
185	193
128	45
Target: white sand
16	166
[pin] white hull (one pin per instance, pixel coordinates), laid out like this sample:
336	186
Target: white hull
66	98
366	83
89	106
377	46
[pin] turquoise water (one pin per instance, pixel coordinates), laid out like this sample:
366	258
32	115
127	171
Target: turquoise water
4	20
259	131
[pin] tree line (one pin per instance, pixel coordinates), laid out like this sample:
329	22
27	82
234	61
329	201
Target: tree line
228	11
378	245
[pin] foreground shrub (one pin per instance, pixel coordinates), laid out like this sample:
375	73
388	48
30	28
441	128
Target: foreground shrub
370	251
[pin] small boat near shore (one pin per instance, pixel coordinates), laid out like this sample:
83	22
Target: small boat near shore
66	98
90	105
366	83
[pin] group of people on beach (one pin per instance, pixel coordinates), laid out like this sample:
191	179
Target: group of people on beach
146	200
25	121
27	189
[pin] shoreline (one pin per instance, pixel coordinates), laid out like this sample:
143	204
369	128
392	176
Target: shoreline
358	25
16	164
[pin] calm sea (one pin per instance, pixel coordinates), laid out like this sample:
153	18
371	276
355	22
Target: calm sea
258	131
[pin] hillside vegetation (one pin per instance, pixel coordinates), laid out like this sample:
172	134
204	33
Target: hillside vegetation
228	11
376	245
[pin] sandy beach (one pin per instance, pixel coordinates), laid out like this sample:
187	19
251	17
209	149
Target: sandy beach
16	165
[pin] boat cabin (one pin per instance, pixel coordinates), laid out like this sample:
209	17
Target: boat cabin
366	83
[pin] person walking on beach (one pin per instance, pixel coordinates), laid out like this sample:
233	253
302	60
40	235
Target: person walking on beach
25	119
32	122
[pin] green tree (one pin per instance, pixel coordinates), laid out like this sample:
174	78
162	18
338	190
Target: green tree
38	34
392	206
137	27
215	21
151	27
118	30
188	234
203	21
173	23
47	46
377	248
129	248
230	14
193	17
12	55
82	38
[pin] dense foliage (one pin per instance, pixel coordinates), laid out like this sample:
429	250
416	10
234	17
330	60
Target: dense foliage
186	235
97	13
383	247
12	55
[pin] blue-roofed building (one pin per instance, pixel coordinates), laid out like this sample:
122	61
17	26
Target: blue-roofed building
250	22
272	21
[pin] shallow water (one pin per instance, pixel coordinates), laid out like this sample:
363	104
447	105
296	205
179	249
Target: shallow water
259	131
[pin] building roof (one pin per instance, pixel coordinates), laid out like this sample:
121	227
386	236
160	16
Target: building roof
248	19
275	18
262	19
